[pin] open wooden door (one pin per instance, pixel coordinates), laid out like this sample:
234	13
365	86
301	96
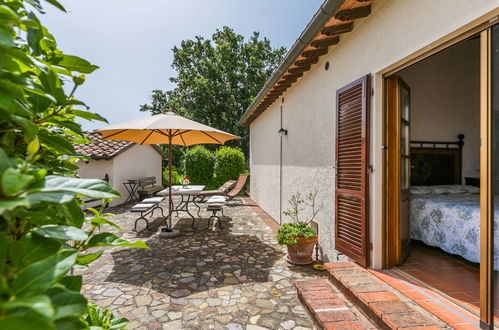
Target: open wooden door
352	164
398	170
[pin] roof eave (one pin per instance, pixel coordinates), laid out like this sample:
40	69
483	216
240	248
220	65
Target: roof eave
313	27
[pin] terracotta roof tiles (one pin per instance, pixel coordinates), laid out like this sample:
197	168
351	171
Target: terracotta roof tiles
104	149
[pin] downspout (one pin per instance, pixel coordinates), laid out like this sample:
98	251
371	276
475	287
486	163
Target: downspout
280	173
318	20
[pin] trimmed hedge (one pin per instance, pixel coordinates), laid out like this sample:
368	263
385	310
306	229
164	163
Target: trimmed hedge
229	163
199	165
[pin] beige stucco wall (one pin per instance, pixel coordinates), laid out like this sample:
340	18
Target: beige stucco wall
394	30
136	162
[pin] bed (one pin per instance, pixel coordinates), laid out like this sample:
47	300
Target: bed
444	213
447	217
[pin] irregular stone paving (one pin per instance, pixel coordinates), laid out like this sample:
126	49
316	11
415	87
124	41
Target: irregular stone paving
235	278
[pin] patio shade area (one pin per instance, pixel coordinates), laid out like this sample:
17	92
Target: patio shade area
235	278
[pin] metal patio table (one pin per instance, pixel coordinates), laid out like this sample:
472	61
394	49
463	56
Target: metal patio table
131	187
188	195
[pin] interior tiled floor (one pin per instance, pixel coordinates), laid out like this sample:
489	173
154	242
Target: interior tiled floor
452	275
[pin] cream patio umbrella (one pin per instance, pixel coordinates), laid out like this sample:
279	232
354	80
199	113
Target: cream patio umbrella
166	128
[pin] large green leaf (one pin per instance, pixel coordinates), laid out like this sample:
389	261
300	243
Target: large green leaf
87	115
109	239
67	303
85	259
72	283
5	162
57	143
14	181
37	248
72	212
29	128
39	276
23	322
92	188
75	63
51	197
40	304
10	204
6	37
61	232
8	15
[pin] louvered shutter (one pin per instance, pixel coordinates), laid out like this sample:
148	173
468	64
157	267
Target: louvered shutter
352	157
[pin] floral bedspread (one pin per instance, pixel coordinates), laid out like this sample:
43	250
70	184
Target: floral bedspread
452	223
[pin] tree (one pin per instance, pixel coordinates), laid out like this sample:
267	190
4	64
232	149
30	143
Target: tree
44	234
218	79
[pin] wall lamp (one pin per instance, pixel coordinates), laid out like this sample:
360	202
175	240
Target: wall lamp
282	132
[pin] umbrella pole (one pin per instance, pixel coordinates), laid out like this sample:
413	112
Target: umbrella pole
170	198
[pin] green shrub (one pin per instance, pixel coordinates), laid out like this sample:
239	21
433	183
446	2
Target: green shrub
176	176
199	165
229	163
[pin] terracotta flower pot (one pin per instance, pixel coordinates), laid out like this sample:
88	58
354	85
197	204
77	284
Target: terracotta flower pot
301	253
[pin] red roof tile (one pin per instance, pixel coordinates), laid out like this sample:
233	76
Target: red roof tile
104	149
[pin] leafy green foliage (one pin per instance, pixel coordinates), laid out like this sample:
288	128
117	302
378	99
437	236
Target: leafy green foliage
176	176
217	80
229	163
288	233
199	165
44	234
102	319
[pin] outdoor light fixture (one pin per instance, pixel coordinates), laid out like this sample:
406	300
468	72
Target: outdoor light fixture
282	132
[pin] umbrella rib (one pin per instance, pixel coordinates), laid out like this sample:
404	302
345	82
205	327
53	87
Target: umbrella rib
150	133
160	132
180	133
105	138
211	137
182	137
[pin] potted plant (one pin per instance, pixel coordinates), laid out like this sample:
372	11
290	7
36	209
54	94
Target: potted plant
185	181
297	235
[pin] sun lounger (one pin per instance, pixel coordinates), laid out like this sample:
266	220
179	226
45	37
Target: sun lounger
224	189
233	194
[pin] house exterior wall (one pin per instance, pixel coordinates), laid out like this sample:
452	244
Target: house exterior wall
394	30
136	162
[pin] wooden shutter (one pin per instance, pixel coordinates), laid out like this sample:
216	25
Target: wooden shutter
352	181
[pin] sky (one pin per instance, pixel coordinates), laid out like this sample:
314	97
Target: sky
132	41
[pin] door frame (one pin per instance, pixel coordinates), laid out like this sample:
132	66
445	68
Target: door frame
480	27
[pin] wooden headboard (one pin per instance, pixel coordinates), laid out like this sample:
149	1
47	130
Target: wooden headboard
435	162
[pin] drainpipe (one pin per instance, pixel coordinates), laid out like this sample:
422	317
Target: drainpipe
280	173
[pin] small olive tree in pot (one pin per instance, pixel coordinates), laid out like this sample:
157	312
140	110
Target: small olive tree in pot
297	235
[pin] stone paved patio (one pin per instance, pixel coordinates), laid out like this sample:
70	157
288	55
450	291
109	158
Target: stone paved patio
235	278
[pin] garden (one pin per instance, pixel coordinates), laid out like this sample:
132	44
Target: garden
203	166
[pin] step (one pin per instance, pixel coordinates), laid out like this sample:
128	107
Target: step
329	308
384	305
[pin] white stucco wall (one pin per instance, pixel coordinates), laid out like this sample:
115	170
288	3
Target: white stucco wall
95	169
136	162
394	30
